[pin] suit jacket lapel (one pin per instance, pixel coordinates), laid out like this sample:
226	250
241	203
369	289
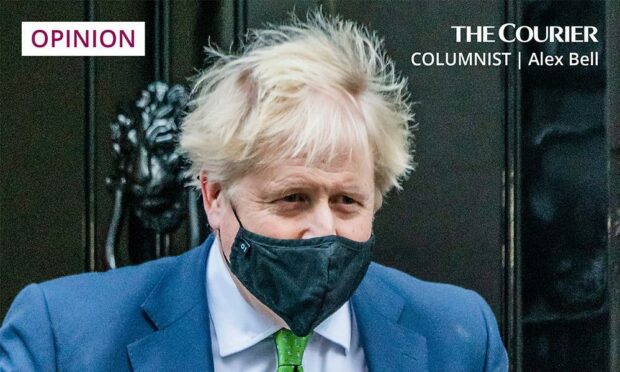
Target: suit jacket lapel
388	345
177	307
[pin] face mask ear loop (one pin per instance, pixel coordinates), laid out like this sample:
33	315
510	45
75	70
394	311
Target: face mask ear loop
236	216
240	224
218	236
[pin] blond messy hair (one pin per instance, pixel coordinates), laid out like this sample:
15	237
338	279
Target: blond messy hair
314	90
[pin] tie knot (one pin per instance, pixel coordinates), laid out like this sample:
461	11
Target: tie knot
290	348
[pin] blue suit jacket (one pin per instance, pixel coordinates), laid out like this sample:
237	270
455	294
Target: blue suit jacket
154	317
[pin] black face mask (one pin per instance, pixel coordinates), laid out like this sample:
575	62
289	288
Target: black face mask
304	281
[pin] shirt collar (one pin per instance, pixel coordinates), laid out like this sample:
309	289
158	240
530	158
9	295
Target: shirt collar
337	327
238	326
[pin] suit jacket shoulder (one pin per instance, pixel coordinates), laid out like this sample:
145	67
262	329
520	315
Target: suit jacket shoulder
86	321
457	324
430	300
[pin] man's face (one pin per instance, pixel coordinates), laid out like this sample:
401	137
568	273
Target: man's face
289	200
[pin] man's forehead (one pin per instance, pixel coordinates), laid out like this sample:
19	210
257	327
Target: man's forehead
296	173
353	160
343	166
312	180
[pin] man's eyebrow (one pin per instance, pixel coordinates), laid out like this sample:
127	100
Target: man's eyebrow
291	182
301	182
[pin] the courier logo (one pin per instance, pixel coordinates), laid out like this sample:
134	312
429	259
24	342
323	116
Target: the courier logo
83	38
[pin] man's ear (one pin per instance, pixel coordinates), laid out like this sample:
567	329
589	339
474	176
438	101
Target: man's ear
213	200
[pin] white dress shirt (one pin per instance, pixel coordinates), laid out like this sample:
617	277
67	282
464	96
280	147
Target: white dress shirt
242	337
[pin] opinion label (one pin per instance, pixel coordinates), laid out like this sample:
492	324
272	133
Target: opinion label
83	39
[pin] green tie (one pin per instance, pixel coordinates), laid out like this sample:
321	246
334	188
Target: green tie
290	350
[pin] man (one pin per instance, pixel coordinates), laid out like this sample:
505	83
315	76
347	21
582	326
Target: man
294	144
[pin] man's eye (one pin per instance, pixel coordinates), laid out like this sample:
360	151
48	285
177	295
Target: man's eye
343	199
293	198
348	200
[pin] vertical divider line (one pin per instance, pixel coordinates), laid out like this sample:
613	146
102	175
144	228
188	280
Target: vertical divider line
165	49
612	119
244	18
165	76
512	203
240	19
157	40
89	219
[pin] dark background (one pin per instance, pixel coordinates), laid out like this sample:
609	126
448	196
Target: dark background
470	214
